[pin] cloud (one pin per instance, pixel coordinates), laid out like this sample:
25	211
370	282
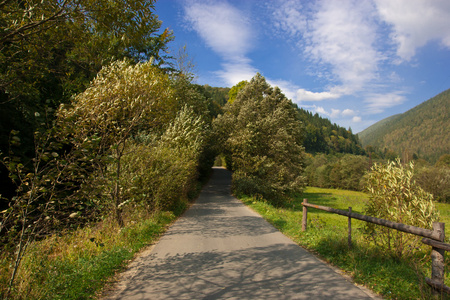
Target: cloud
233	73
339	38
415	23
288	17
304	95
342	34
224	28
348	112
377	103
335	113
356	119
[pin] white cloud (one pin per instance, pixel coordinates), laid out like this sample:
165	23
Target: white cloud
348	112
321	110
304	95
377	103
225	29
338	37
233	73
415	23
335	113
342	34
288	17
356	119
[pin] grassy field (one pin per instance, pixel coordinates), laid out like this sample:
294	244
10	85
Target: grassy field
327	237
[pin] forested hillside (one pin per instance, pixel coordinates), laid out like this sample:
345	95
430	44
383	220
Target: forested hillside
420	132
321	136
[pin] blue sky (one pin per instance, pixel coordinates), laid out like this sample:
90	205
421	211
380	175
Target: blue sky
353	62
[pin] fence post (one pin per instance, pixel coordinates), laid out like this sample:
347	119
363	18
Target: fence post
437	259
349	229
305	215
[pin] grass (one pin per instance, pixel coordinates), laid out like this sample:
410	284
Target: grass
77	265
327	237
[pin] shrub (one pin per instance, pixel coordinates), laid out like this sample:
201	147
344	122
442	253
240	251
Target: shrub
395	196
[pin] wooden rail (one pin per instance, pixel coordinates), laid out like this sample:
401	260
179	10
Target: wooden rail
434	238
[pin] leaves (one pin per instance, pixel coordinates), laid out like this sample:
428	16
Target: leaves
395	196
261	134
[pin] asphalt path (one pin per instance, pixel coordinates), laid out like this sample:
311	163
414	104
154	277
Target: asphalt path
221	249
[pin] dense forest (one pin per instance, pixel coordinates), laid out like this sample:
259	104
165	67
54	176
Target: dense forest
421	132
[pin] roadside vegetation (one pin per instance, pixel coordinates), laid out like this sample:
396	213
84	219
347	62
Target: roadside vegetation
391	277
393	267
105	139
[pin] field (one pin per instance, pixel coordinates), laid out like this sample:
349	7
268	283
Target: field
327	237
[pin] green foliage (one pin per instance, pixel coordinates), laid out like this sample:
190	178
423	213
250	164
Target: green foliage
51	50
122	146
122	100
336	171
232	94
261	135
159	173
395	196
321	136
422	130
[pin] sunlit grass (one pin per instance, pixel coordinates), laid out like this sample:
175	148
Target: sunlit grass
327	237
76	265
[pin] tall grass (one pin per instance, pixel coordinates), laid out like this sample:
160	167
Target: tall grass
77	265
326	236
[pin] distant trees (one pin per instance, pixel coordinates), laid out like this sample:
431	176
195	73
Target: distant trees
343	171
261	137
321	136
435	179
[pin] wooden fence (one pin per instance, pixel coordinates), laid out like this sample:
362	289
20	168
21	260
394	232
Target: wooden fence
434	238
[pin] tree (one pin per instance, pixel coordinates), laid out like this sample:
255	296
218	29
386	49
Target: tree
232	94
122	100
51	50
261	135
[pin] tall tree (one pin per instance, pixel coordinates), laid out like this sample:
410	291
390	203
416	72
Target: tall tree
261	134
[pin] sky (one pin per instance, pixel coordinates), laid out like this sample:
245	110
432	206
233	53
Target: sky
353	62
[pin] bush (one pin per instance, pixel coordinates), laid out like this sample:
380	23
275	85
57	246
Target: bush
395	196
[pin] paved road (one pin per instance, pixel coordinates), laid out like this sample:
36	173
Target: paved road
220	249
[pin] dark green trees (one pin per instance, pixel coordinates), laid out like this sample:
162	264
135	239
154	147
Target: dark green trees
261	138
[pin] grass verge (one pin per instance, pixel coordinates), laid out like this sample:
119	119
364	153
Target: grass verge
327	237
78	264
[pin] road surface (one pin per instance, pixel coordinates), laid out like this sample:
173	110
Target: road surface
220	249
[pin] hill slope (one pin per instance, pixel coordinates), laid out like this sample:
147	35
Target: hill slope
423	130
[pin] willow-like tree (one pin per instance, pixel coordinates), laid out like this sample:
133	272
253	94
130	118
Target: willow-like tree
123	100
262	137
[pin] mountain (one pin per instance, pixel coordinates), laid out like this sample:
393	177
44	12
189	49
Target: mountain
423	130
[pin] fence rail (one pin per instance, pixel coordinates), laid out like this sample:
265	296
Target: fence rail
434	238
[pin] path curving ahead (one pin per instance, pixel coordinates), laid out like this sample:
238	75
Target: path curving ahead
220	249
